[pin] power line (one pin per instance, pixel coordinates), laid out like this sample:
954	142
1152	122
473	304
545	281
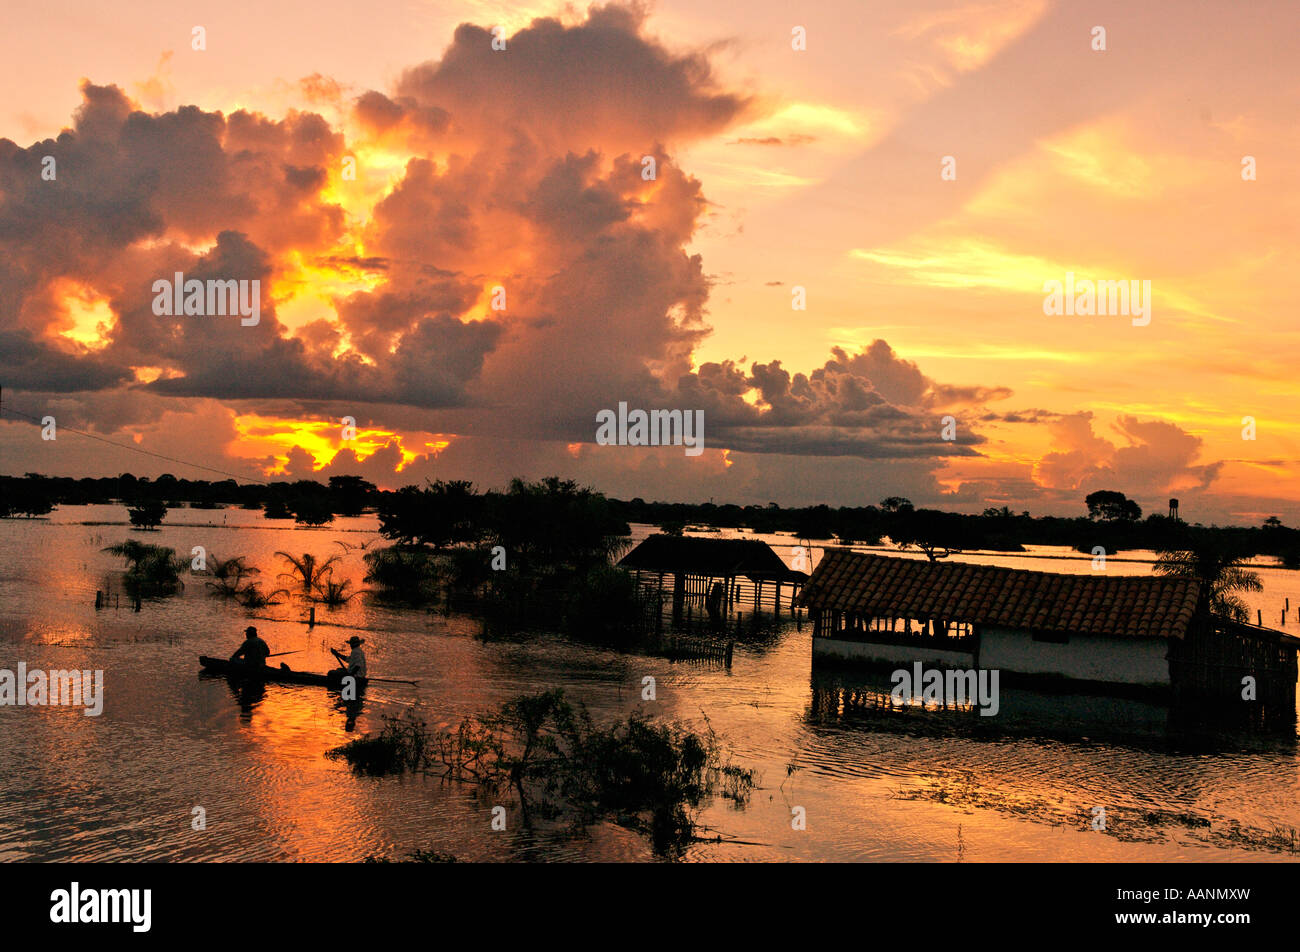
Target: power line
136	449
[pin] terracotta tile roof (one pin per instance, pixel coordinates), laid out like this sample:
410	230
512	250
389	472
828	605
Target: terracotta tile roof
1124	606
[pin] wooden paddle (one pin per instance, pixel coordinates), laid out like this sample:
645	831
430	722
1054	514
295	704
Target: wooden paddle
279	653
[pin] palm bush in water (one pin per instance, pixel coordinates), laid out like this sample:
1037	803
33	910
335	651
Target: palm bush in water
1221	569
152	571
306	571
229	575
250	596
334	594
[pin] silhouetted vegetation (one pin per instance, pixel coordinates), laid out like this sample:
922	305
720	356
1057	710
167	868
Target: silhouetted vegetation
525	558
312	511
152	571
448	515
1110	506
252	596
333	594
29	497
229	576
306	571
416	856
407	574
1220	567
647	776
146	513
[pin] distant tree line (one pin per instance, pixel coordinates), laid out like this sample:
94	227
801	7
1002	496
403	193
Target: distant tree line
444	514
305	501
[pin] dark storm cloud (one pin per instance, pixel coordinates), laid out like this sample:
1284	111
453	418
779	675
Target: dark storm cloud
33	365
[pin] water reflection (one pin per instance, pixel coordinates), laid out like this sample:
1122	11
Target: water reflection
862	697
880	786
247	693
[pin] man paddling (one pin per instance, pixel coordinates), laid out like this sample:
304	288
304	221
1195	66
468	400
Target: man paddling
254	651
355	663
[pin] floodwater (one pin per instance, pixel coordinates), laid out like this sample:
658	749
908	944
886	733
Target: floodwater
874	785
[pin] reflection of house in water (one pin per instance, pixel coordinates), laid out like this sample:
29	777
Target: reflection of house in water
1116	633
695	566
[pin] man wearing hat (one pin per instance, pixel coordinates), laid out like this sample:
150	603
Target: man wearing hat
254	651
355	663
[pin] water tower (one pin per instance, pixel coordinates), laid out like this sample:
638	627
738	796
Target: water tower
1173	509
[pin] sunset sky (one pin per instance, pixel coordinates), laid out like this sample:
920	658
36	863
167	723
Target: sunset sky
776	168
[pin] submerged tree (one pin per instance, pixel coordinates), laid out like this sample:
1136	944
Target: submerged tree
1221	568
146	513
555	523
413	575
313	510
26	497
647	776
439	515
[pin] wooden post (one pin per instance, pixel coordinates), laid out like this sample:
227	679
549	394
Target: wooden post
1259	616
776	605
99	600
311	617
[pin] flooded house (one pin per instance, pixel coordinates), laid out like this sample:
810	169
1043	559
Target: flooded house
1143	635
710	572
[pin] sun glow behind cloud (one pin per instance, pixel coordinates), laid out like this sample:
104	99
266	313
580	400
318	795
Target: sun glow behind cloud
262	437
87	315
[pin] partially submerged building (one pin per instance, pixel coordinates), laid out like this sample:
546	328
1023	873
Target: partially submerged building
693	566
1138	634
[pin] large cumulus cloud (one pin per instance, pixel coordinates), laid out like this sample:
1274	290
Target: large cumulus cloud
523	169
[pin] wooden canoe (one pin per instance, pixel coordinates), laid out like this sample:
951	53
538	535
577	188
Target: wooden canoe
237	669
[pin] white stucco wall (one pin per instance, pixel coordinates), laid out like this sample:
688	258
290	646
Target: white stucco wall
893	654
1116	660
